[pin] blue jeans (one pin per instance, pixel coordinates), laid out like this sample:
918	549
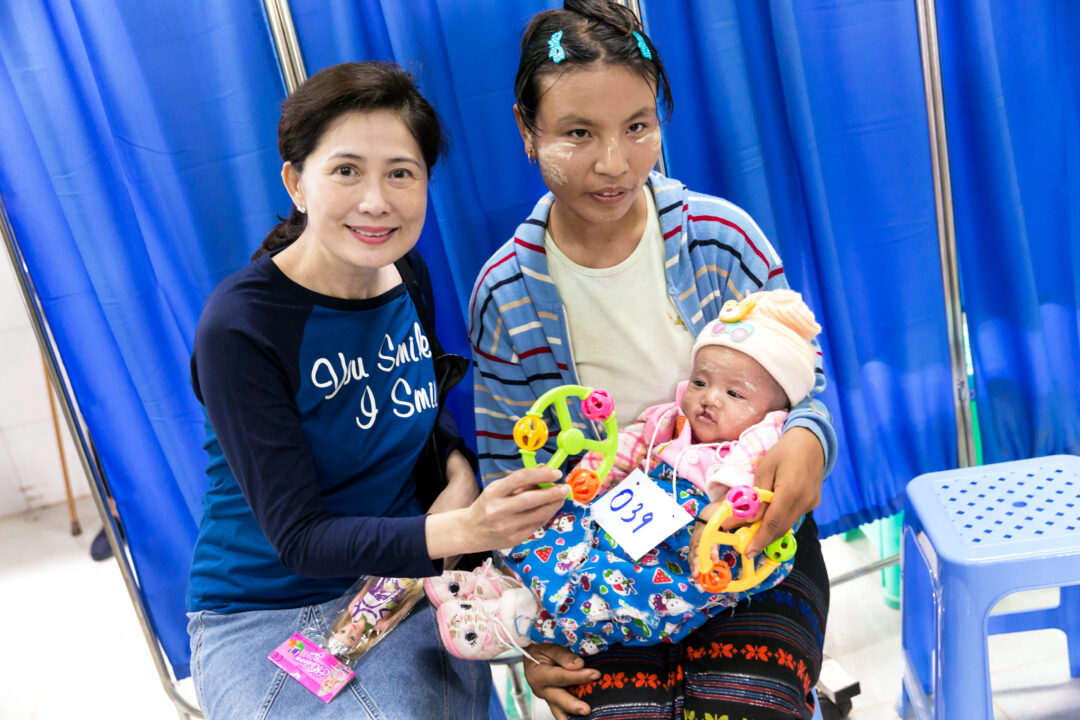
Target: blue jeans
407	674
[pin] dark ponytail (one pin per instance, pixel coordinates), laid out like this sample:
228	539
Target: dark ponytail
336	91
593	31
282	234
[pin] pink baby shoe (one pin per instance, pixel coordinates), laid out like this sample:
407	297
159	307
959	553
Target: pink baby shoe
484	629
483	583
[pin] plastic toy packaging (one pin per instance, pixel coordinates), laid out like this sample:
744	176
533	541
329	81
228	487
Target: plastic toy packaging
323	663
378	606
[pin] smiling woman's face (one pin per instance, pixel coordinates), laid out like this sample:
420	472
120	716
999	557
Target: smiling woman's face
364	189
597	136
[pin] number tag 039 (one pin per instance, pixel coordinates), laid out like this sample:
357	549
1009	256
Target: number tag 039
638	515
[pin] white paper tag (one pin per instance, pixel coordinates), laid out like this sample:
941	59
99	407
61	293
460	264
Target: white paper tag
638	515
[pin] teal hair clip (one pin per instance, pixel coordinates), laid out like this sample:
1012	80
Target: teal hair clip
642	46
556	52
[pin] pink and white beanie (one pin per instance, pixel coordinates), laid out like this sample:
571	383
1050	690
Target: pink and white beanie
776	328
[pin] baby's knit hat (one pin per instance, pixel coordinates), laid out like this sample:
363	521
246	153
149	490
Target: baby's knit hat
775	327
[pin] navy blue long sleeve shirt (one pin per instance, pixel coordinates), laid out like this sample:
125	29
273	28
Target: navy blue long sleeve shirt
317	408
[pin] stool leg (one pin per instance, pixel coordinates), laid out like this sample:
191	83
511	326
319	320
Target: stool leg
1069	605
962	675
916	608
902	703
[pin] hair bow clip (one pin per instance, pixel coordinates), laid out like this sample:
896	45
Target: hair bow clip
734	311
556	52
643	46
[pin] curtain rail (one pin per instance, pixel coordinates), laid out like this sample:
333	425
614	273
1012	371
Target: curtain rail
950	272
283	33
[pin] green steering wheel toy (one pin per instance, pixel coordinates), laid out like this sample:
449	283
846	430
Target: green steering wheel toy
531	433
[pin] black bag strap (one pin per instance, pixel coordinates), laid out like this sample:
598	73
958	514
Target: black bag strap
405	268
449	368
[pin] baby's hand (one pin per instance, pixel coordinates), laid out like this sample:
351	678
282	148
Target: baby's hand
699	531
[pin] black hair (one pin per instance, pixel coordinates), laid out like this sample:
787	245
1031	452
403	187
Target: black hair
593	30
333	92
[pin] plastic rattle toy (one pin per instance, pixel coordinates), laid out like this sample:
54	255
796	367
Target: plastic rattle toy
531	432
742	501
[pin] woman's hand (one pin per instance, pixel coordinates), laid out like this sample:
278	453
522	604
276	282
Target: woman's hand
511	509
506	513
461	488
794	469
558	668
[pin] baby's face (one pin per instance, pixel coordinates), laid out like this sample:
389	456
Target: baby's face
728	392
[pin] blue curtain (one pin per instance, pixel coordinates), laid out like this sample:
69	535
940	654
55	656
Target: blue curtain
1011	75
811	116
137	161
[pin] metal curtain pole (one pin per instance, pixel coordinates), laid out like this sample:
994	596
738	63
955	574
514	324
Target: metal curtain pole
76	529
283	33
950	273
635	7
88	455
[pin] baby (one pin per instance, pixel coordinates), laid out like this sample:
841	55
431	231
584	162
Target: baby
579	589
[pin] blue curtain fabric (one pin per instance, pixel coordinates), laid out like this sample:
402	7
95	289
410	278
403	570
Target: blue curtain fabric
811	116
1011	76
137	161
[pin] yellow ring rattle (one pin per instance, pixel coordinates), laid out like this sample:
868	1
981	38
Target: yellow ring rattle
741	501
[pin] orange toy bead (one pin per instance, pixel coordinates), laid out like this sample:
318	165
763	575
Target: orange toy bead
584	483
716	579
530	433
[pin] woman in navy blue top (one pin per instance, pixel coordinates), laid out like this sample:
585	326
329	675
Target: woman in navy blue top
320	391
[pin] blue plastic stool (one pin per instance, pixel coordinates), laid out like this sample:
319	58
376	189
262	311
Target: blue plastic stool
970	537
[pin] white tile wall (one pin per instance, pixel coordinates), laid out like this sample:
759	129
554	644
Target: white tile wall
31	474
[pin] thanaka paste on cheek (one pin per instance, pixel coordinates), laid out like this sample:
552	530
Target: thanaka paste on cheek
651	140
553	161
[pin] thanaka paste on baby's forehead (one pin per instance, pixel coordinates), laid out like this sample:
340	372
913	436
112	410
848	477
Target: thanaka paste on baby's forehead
736	367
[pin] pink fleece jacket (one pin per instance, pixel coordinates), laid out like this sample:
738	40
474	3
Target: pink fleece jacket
713	467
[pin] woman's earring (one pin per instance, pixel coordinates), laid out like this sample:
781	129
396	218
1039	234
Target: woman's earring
303	210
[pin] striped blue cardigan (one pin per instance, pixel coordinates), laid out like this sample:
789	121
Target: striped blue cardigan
714	252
